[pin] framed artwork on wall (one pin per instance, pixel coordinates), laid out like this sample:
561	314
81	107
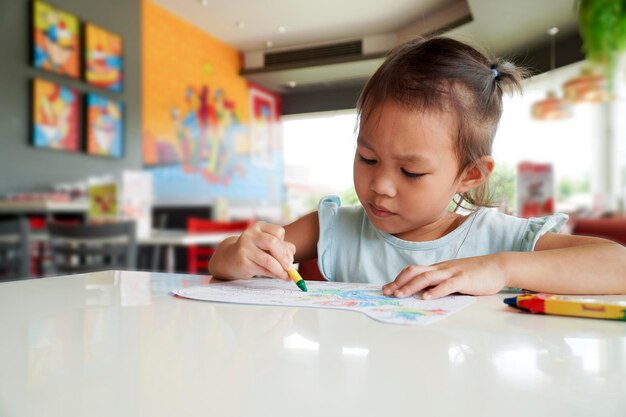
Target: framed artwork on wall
103	58
265	128
55	116
55	40
104	123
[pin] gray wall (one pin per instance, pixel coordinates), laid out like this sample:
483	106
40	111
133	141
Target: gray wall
24	168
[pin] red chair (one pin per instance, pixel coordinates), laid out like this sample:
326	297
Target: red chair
612	228
198	256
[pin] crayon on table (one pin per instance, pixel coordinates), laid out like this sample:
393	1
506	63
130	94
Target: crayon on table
566	306
514	301
295	276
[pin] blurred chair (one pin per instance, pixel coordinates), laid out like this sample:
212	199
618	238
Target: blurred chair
14	249
92	247
310	271
198	256
612	228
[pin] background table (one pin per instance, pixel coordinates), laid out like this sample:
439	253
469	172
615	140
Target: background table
168	238
118	344
46	207
172	238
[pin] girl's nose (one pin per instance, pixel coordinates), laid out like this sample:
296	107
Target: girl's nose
382	184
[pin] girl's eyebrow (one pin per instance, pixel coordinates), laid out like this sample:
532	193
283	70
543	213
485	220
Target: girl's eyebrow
362	142
415	158
418	159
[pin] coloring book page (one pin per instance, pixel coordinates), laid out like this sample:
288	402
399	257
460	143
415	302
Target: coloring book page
366	298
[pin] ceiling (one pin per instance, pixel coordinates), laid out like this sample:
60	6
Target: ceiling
503	27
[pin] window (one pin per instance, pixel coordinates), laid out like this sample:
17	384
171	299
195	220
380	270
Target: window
318	152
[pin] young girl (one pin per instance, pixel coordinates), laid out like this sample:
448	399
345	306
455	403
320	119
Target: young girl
427	119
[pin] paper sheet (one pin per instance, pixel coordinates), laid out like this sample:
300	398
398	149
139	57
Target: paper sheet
366	298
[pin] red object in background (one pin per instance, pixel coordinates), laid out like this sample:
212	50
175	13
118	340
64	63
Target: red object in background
309	270
535	189
612	228
198	256
39	251
37	223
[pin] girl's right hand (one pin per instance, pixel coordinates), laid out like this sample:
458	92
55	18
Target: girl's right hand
260	250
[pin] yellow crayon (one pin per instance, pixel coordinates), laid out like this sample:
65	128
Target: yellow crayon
295	276
566	306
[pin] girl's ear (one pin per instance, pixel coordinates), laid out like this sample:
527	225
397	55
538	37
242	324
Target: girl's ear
475	175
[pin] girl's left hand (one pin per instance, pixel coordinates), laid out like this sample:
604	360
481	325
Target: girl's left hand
480	275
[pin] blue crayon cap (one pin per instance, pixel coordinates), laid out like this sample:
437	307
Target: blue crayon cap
512	301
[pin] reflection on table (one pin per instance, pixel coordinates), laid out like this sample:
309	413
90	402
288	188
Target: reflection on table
117	343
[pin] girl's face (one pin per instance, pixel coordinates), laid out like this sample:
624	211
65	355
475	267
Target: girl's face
406	171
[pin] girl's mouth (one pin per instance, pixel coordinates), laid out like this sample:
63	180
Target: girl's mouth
380	211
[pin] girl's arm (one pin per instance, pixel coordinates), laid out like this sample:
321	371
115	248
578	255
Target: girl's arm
563	264
304	234
266	249
568	264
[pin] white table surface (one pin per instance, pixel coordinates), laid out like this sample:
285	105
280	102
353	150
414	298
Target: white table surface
117	344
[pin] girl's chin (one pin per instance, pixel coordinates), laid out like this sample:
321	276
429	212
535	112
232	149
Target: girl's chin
383	224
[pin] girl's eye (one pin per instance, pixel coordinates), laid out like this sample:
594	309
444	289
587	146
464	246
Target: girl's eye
411	174
367	161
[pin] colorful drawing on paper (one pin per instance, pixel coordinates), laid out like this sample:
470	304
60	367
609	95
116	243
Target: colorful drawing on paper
56	40
104	126
55	116
103	58
365	298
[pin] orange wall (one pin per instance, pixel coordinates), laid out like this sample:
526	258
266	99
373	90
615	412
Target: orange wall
176	55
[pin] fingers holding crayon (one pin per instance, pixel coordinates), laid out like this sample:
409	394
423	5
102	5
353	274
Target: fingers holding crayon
263	251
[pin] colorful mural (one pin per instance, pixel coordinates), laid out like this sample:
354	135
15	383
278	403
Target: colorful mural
56	37
201	120
103	58
55	116
104	126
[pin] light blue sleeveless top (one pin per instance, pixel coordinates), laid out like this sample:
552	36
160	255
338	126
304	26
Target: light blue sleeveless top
351	249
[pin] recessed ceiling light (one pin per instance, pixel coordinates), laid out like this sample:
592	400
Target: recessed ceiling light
282	29
292	84
269	44
240	24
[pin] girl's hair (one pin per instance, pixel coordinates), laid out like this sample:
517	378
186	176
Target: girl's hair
444	75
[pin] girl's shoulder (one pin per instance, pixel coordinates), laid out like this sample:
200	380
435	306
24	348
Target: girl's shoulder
522	233
332	214
490	216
